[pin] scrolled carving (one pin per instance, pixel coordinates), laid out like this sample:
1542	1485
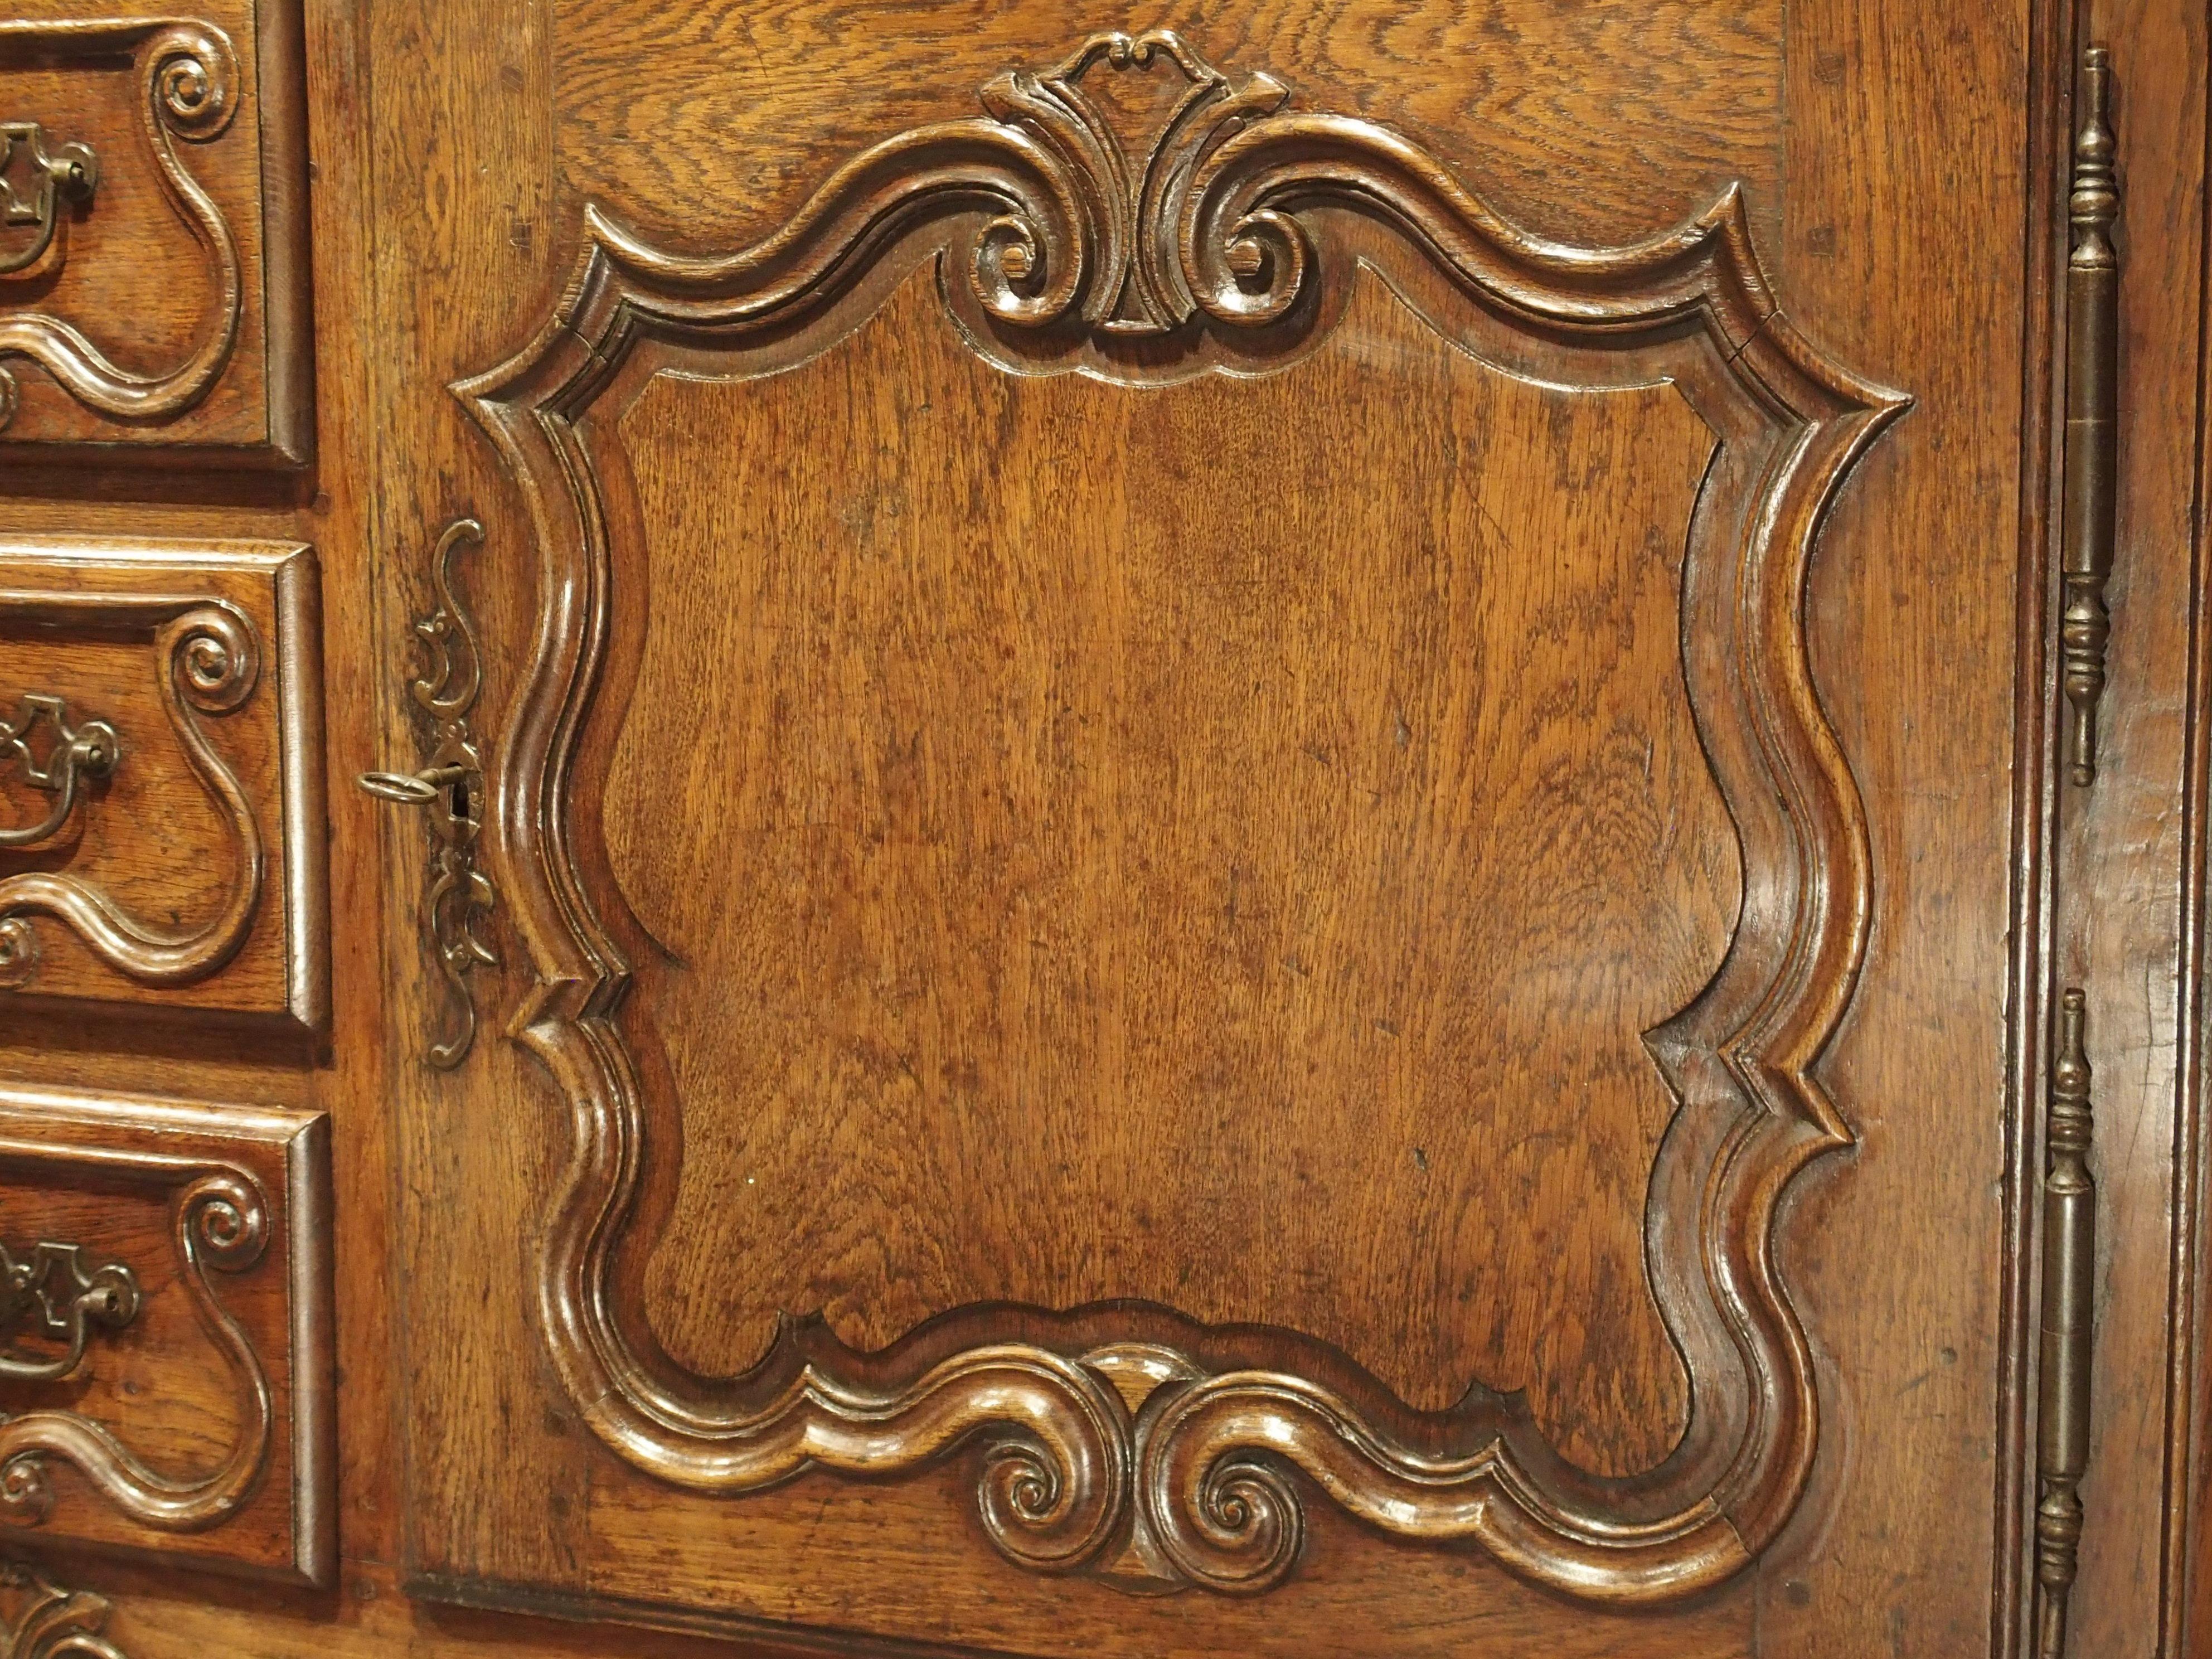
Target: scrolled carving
1139	285
219	1221
195	79
1220	220
214	656
40	1619
188	89
210	654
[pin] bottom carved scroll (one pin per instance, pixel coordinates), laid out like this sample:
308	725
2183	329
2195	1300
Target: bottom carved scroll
1135	1464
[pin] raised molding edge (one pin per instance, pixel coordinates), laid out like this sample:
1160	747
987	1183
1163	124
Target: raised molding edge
227	1215
288	670
187	70
1044	221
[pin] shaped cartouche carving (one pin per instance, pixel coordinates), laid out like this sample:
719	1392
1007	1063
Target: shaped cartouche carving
1054	220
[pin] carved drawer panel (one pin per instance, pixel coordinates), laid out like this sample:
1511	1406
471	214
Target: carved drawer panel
153	271
160	797
165	1329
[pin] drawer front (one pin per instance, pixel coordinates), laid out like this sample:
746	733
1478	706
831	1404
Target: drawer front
165	1335
153	271
160	795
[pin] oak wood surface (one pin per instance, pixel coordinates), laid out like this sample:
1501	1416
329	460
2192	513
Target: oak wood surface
150	289
1792	422
1068	998
201	1428
191	877
1600	122
1932	298
1882	151
436	1149
684	1270
2122	929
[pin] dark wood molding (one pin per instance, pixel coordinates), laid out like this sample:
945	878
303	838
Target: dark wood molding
196	604
190	89
2033	822
1046	225
246	1192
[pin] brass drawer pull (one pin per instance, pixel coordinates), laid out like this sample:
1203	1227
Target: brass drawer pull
58	1291
89	751
69	172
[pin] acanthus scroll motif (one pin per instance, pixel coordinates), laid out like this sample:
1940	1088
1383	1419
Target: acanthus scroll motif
1134	196
1129	239
40	1619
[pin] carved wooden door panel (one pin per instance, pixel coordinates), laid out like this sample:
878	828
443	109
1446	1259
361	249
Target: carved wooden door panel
1217	818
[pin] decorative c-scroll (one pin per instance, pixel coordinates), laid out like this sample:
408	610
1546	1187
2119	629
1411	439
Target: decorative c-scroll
209	656
188	87
219	1221
1216	224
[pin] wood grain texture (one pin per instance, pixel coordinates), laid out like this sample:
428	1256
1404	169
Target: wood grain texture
1202	212
193	877
1918	596
1914	606
2185	1585
201	1429
984	1008
376	1612
1599	122
40	1618
169	317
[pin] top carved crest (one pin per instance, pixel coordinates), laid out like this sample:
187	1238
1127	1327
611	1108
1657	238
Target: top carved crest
1136	191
